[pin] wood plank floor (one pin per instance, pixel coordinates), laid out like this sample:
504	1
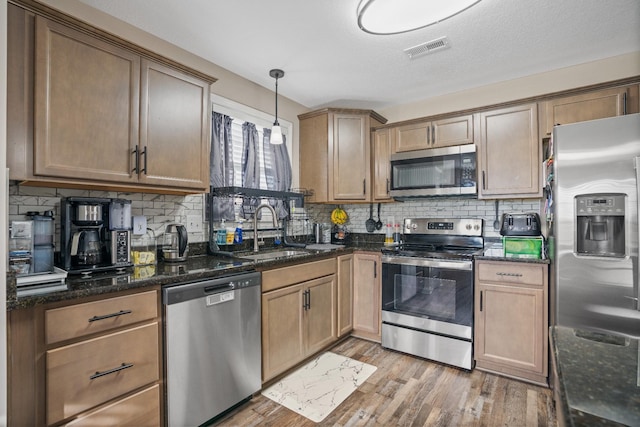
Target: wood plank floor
409	391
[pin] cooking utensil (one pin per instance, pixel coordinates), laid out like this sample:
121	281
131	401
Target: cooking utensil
496	223
378	223
370	224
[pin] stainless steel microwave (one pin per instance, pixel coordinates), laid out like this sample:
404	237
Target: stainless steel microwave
446	171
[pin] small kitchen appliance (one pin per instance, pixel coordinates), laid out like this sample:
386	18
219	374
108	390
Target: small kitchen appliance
427	289
95	234
520	224
175	243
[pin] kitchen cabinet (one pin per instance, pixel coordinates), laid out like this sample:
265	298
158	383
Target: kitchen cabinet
80	362
97	114
367	295
344	303
434	134
380	161
335	154
598	104
298	314
511	319
509	153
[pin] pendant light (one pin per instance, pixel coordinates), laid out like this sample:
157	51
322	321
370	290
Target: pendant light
276	130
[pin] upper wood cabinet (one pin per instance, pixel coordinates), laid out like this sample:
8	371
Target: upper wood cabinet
380	161
433	134
98	114
509	153
335	154
594	105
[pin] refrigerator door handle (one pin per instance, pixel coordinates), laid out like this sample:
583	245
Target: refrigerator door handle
636	281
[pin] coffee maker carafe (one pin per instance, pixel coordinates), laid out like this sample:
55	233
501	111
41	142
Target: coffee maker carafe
95	234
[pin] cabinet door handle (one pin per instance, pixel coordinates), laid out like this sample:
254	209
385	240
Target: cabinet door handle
364	186
433	134
375	269
428	135
111	371
481	300
624	103
145	152
110	315
308	299
387	186
136	153
483	180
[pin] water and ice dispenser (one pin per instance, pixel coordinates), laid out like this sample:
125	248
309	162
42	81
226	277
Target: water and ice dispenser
600	225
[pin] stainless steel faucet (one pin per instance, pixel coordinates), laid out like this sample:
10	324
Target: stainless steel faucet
255	223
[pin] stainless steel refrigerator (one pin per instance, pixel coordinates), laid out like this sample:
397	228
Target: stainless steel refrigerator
595	231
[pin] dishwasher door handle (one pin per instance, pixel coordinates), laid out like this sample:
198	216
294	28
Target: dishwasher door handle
220	287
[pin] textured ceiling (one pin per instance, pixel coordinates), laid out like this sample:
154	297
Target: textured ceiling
328	60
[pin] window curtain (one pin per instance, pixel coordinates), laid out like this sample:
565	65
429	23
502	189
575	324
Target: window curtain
250	166
277	169
221	166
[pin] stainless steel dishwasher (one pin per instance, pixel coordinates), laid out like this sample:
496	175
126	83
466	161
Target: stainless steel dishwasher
212	346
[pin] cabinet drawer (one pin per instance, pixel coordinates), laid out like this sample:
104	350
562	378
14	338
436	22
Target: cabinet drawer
99	316
83	375
141	409
281	277
511	272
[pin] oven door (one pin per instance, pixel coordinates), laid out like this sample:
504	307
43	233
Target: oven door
428	294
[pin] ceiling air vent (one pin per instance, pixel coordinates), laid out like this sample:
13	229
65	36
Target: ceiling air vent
428	47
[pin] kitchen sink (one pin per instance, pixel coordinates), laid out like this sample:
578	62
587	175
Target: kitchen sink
270	256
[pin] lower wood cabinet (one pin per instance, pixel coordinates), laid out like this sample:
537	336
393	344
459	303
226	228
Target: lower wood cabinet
96	362
345	294
511	319
298	314
367	288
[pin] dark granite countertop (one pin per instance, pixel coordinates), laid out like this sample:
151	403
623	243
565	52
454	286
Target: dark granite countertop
196	267
599	377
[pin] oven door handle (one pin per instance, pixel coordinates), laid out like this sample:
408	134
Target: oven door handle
466	265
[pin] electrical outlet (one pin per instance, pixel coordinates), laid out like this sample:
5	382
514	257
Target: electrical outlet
194	223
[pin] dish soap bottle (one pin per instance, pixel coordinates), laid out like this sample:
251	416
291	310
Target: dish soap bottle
237	238
221	236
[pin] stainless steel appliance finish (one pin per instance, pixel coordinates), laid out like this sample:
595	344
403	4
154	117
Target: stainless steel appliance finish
427	289
446	171
520	224
596	232
212	347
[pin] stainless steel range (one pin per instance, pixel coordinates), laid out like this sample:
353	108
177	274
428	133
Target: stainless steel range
427	289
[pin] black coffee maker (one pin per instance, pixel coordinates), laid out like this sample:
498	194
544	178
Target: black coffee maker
95	234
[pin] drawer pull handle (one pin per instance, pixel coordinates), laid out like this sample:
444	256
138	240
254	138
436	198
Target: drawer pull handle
509	274
111	371
108	316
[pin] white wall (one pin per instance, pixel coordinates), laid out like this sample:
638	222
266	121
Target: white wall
3	211
610	69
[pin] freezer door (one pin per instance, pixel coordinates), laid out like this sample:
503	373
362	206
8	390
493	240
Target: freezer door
597	292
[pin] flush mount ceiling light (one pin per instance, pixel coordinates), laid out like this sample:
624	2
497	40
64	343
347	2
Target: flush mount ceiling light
276	130
401	16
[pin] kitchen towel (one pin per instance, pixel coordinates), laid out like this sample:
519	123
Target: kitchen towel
318	387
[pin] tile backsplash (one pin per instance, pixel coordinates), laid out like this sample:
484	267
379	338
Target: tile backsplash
160	209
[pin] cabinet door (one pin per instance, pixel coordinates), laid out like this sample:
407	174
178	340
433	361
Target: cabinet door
453	131
282	330
366	295
509	153
412	137
174	134
345	294
381	166
320	315
510	327
86	106
350	170
589	106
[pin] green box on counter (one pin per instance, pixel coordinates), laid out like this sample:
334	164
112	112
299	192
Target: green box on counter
522	247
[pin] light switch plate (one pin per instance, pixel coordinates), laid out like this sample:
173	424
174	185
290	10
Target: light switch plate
194	223
139	225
